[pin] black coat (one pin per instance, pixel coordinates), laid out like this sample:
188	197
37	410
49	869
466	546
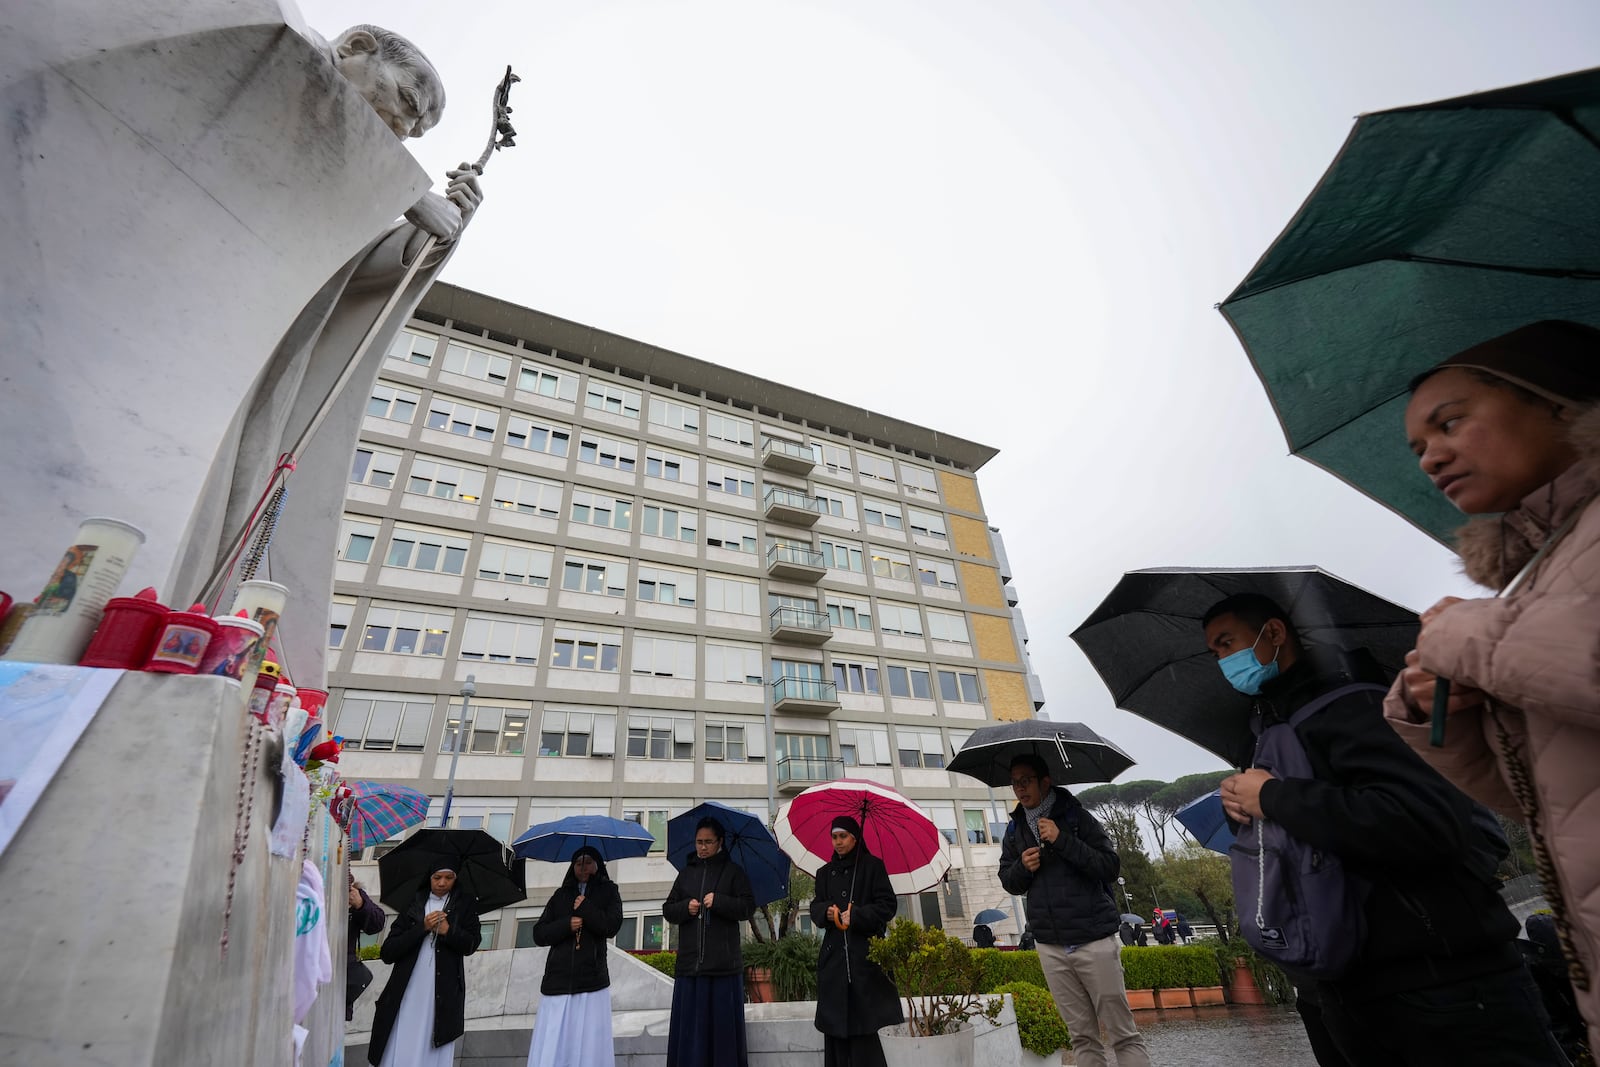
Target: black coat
854	996
577	964
400	949
1068	902
708	943
1434	913
367	919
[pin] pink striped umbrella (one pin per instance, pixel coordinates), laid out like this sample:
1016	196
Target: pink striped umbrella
892	827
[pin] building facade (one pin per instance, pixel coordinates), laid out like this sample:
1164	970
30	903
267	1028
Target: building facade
672	582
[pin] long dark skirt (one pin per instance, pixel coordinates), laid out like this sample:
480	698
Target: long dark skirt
863	1050
707	1022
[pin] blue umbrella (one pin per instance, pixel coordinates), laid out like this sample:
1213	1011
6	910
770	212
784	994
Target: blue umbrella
990	915
746	840
1204	819
555	842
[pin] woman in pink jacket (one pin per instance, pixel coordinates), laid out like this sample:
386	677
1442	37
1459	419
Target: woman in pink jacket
1510	430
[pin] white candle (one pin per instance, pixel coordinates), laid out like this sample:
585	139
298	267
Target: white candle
73	600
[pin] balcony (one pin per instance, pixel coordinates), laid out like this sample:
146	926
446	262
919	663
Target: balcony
804	696
799	563
788	506
796	773
777	455
800	626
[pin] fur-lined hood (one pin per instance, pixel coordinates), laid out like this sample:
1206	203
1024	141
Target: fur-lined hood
1494	548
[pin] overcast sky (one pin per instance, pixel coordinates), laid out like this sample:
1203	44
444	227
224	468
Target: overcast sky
1006	220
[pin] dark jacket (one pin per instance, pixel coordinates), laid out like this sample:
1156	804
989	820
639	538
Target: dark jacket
365	920
449	974
1434	914
1068	903
854	996
577	964
708	943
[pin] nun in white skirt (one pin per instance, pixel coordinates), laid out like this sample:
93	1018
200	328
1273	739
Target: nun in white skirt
573	1026
422	1010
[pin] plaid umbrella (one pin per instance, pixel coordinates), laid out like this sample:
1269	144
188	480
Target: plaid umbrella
893	828
381	810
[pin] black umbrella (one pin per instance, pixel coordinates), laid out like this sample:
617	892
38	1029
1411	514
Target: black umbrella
1073	752
1146	642
484	867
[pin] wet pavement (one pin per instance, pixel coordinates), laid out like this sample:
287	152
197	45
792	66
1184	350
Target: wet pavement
1225	1037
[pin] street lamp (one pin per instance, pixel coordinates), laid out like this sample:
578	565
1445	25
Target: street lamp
1123	882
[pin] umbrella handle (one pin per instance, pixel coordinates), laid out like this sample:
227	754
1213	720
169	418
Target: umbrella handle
1441	710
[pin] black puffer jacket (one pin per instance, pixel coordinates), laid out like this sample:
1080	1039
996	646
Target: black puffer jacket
578	964
708	943
1068	903
1434	914
400	951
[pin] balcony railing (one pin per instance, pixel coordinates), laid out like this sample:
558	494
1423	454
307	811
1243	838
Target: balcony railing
801	625
795	556
790	506
788	456
804	691
803	771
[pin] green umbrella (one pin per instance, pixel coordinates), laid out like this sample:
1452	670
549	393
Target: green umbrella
1436	227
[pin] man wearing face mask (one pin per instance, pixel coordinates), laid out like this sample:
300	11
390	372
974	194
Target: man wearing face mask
1437	978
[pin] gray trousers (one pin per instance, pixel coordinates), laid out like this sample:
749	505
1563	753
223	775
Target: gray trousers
1087	986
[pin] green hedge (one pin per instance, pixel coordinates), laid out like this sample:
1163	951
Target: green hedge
369	952
665	962
1170	967
1013	965
1039	1025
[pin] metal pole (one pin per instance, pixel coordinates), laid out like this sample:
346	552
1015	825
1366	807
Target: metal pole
469	689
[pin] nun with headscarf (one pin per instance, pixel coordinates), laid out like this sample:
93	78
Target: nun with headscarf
709	899
855	998
422	1011
573	1027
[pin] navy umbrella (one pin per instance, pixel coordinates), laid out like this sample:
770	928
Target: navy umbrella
1206	821
555	842
746	840
1074	753
990	915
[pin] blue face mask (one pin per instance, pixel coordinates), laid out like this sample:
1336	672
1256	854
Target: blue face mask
1246	673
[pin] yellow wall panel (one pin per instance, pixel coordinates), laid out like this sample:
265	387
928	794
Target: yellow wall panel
1008	695
959	491
981	585
994	638
971	537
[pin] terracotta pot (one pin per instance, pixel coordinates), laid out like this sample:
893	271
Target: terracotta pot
1205	996
758	987
1142	999
1173	998
1244	989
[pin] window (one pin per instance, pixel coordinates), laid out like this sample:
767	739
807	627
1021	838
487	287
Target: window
977	826
476	363
909	682
670	466
864	746
593	574
882	513
609	512
655	821
356	538
486	934
936	572
793	668
841	555
518	564
418	548
920	748
666	585
374	466
878	468
447	481
927	524
673	415
947	626
525	933
837	459
618	400
607	452
855	677
653	928
729	428
586	650
662	656
339	613
728	662
836	504
577	733
501	638
404	630
725	741
660	736
899	618
527	496
384	722
673	523
813	747
536	378
734	535
395	404
850	612
409	346
549	438
738	596
887	563
919	481
496	728
727	478
461	418
959	686
493	816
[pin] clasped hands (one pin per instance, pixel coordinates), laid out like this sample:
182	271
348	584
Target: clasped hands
705	902
436	923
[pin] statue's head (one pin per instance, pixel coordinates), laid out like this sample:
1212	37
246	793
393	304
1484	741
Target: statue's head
394	77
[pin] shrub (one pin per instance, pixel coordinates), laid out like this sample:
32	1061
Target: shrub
1170	966
792	959
1039	1025
665	962
935	973
1273	983
996	968
369	952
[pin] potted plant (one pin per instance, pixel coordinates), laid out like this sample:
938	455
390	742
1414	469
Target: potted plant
785	969
1139	978
1203	975
758	984
1040	1030
939	980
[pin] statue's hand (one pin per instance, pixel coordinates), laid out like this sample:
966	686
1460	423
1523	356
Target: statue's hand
463	191
436	215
